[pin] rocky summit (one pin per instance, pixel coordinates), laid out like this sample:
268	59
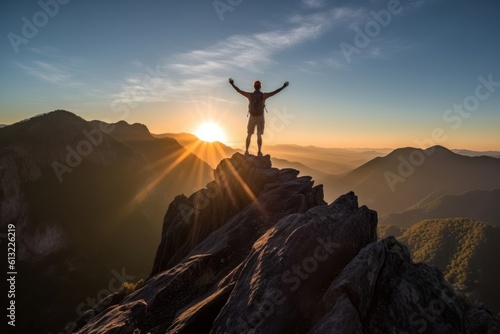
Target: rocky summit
259	251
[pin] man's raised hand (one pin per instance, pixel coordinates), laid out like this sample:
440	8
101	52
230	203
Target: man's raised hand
231	81
286	84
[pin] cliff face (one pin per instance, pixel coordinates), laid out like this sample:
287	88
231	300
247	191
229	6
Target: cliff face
259	251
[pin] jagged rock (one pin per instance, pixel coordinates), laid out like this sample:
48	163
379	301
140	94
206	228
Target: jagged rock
238	182
292	263
121	319
383	291
106	302
268	255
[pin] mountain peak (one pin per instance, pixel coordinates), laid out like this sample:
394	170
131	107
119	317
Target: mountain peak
428	151
57	117
55	127
440	150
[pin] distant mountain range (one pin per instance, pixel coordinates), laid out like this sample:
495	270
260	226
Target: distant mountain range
304	170
87	198
482	205
495	154
315	161
327	161
407	176
214	152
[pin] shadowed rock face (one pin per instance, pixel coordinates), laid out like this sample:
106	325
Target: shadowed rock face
259	251
77	193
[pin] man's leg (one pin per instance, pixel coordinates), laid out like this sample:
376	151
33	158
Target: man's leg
249	137
259	143
260	132
250	130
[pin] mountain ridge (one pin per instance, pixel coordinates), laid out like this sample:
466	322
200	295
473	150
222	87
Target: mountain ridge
258	250
477	204
417	174
76	192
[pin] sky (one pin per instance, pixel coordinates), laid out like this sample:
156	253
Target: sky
372	73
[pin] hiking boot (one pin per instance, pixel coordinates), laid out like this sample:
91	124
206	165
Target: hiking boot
246	153
260	154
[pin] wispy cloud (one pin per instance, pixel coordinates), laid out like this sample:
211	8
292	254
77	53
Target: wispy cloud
51	66
348	51
197	70
378	49
255	52
314	3
47	72
67	74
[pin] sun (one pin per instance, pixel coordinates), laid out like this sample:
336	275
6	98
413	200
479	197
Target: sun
210	132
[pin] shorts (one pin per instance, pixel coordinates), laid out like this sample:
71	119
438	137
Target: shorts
256	121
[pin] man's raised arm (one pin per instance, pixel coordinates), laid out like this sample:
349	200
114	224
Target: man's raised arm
231	81
277	90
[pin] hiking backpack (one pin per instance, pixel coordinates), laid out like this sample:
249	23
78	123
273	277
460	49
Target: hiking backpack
256	105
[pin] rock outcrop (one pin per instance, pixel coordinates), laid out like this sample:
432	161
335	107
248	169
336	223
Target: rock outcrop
239	182
259	251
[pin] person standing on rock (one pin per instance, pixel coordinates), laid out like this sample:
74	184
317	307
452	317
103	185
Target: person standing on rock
256	105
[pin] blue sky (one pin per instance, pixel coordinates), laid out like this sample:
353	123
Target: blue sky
166	64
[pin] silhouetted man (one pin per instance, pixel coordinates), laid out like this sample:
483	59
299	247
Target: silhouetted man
256	105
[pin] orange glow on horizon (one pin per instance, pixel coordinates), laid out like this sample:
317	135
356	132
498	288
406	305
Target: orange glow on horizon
210	132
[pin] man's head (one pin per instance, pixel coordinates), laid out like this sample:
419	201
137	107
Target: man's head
257	85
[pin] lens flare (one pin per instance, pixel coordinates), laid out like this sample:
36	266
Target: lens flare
210	132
